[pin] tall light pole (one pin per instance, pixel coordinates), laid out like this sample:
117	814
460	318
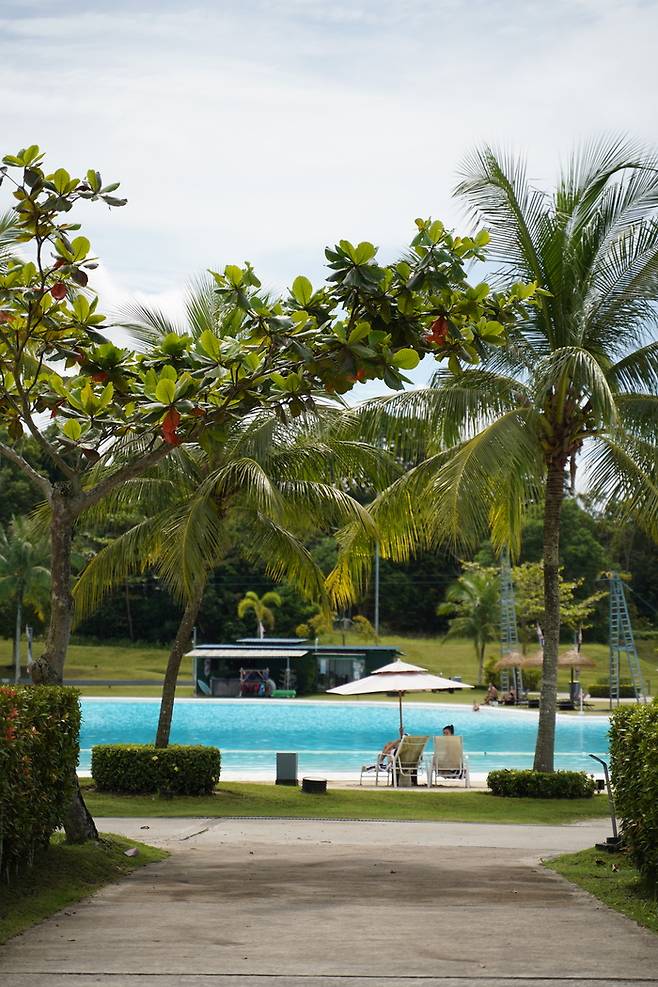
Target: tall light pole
377	590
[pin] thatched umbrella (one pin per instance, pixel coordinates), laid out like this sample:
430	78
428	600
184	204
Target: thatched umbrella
570	659
575	659
533	661
513	660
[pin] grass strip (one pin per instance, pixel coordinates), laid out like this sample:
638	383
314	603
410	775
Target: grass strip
64	875
259	799
613	880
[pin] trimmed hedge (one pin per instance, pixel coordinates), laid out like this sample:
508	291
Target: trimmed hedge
39	731
601	690
634	764
541	784
144	769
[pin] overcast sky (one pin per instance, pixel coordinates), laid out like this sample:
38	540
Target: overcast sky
267	129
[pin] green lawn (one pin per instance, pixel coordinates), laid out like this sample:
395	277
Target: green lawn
613	880
88	661
257	799
64	875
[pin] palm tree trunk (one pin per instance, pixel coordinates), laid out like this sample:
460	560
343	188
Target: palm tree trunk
181	642
480	650
545	749
17	637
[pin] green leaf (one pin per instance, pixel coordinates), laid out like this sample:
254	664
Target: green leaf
72	430
168	373
210	344
81	308
80	247
364	252
406	359
61	180
165	391
360	331
302	290
454	366
436	231
106	396
234	275
94	180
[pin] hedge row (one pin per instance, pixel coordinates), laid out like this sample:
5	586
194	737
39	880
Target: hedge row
145	769
634	764
541	784
39	731
601	690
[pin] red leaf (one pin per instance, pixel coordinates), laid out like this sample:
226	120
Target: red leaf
58	291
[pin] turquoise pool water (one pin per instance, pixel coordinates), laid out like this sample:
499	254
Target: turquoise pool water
335	737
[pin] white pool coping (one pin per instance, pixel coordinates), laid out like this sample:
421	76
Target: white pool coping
205	700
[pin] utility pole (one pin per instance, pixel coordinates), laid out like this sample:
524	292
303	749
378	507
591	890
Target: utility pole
377	591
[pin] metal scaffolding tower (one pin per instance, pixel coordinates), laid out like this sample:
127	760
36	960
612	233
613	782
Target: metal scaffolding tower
510	678
622	644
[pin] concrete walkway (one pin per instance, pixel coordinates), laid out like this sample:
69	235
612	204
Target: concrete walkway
297	903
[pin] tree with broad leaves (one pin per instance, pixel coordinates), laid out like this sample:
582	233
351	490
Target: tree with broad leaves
267	489
368	320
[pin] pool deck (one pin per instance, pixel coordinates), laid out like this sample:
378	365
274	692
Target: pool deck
295	903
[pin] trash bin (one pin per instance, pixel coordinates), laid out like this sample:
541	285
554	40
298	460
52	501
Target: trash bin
286	768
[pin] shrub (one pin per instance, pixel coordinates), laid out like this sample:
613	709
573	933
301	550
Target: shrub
634	763
541	784
144	769
601	690
39	731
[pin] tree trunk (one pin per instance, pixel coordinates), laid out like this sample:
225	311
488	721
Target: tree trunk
17	637
480	650
129	613
79	825
545	749
182	640
48	669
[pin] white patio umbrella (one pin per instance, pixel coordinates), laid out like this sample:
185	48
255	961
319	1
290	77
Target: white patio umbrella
398	677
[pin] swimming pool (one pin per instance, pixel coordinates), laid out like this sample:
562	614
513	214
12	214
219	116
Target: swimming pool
334	737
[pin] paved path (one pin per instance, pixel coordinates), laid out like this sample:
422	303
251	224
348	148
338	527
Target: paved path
295	903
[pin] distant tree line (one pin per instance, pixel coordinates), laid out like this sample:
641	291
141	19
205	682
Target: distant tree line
409	593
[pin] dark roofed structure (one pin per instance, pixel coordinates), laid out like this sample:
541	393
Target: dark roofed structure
254	666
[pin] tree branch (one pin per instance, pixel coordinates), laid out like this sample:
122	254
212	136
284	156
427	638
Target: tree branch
128	472
42	482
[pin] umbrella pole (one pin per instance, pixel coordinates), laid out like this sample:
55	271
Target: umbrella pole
401	724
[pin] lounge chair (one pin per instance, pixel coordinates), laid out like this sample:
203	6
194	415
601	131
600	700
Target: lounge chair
403	763
449	761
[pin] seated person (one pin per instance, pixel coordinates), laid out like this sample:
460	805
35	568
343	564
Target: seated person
509	699
448	731
492	695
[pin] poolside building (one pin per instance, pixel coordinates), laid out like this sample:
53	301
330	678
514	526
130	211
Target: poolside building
254	666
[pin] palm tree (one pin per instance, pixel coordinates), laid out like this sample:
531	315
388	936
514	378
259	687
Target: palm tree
473	601
262	608
577	382
262	481
263	492
24	574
